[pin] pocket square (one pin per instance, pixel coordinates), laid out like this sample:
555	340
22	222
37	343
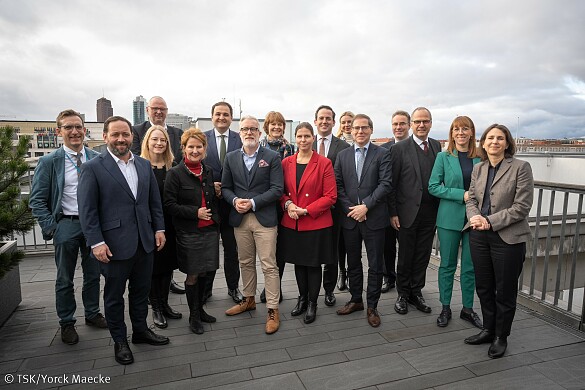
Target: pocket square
262	164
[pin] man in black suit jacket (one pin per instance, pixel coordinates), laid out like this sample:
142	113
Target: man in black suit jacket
252	182
363	180
120	213
413	210
220	141
400	125
328	145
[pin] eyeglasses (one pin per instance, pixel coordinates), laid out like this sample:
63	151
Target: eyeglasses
423	122
157	140
248	129
362	128
461	129
161	109
401	124
71	127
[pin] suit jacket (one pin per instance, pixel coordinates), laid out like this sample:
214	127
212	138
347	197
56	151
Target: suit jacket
372	189
407	184
109	212
446	183
511	198
337	145
47	190
212	160
139	131
263	183
317	192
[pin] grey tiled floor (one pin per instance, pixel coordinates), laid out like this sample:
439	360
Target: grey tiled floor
405	352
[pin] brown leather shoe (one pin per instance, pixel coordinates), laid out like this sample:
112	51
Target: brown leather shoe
272	321
246	304
350	307
373	317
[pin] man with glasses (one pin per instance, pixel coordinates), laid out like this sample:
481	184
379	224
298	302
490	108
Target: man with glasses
221	140
413	210
252	182
363	180
157	111
326	144
400	125
53	201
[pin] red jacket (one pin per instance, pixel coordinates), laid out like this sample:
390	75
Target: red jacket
317	192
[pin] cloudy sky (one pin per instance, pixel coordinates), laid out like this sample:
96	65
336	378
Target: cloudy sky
516	62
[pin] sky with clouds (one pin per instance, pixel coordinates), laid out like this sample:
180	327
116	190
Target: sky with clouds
520	63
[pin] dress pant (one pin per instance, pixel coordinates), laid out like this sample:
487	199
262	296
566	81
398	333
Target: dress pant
330	270
414	252
390	239
449	246
69	242
252	239
137	270
230	252
497	268
374	241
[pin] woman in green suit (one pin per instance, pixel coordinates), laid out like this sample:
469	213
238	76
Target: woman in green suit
449	182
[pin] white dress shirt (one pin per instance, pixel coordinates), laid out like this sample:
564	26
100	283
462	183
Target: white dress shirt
69	199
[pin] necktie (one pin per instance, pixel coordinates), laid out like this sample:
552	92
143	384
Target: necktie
222	149
322	147
425	146
79	162
360	163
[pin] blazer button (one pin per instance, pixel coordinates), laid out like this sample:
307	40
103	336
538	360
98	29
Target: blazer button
289	194
306	194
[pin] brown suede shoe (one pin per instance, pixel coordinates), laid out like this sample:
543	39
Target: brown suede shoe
246	304
373	317
272	321
350	307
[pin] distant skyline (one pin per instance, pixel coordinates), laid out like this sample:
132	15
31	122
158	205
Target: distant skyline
519	63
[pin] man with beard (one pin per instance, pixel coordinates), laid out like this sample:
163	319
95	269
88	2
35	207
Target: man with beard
121	216
252	182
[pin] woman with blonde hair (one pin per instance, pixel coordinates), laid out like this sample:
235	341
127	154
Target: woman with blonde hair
191	201
156	149
344	131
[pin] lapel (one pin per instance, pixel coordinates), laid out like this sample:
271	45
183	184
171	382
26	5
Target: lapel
413	154
504	167
232	141
212	147
333	148
368	160
456	173
311	167
112	168
59	170
259	157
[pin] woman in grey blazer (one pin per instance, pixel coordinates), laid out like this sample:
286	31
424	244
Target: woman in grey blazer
500	198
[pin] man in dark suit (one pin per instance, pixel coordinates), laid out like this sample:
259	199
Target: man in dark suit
363	180
121	216
157	111
53	201
329	146
400	125
220	141
252	182
413	210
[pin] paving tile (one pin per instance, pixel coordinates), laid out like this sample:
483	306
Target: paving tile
279	382
560	351
381	349
567	372
505	363
517	379
258	339
330	346
408	332
204	382
299	341
539	337
10	367
444	356
298	364
215	366
428	380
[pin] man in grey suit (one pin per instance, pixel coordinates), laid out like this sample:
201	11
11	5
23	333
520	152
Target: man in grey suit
326	144
53	201
121	216
413	210
363	180
252	182
220	141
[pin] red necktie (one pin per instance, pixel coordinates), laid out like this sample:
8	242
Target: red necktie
426	147
322	147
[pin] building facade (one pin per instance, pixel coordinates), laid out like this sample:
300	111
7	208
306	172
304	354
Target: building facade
139	110
104	109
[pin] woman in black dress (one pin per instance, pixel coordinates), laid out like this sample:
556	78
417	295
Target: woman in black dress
191	200
306	235
156	149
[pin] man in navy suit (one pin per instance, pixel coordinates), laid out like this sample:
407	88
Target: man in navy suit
220	141
121	217
252	182
53	201
364	181
413	210
326	144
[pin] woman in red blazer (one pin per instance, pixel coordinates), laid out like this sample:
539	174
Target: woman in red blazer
306	240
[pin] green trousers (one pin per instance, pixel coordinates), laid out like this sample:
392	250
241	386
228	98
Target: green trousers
449	248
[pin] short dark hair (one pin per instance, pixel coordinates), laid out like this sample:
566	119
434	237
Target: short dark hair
66	113
363	116
510	149
401	112
116	118
326	108
223	104
304	125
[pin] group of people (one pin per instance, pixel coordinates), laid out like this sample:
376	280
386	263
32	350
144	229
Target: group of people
160	198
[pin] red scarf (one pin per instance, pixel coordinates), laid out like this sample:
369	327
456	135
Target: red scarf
197	169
